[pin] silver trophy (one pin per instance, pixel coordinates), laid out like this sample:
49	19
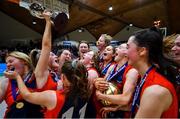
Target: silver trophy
59	10
36	9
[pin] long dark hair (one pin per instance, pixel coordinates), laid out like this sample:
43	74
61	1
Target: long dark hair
76	74
152	39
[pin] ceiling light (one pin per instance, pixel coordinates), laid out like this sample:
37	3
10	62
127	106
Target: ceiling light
110	8
130	25
34	23
81	30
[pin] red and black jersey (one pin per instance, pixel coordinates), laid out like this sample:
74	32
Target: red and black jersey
155	78
67	107
13	98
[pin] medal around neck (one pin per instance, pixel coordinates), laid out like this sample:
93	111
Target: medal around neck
19	105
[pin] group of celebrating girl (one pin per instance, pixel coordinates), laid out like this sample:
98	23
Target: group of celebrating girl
45	85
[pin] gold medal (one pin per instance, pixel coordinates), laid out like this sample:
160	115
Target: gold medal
19	105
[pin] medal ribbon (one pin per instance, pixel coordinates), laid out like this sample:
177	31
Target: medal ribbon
119	72
136	99
55	76
106	68
14	85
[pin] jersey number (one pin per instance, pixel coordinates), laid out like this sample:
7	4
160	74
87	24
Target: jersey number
69	112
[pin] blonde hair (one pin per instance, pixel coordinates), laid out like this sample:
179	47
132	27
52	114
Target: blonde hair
168	42
107	39
21	56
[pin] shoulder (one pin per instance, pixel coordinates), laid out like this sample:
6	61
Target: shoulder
157	90
92	74
3	87
155	100
132	73
4	80
159	94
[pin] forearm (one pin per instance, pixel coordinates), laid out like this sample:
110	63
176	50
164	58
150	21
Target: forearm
47	35
42	65
22	87
124	107
115	99
39	98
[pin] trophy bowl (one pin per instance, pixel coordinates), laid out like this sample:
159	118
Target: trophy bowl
36	10
112	90
58	18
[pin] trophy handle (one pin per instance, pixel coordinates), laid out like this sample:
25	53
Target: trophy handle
36	9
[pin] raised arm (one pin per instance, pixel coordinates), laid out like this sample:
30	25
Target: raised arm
41	70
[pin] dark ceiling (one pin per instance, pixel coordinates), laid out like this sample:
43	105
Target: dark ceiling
95	17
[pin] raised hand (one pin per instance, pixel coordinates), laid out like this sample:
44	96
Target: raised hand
47	15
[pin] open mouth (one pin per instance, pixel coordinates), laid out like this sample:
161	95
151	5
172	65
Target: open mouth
83	51
176	54
12	68
105	54
56	61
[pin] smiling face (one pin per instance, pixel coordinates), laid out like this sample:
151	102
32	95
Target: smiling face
83	48
176	50
108	53
15	64
121	52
